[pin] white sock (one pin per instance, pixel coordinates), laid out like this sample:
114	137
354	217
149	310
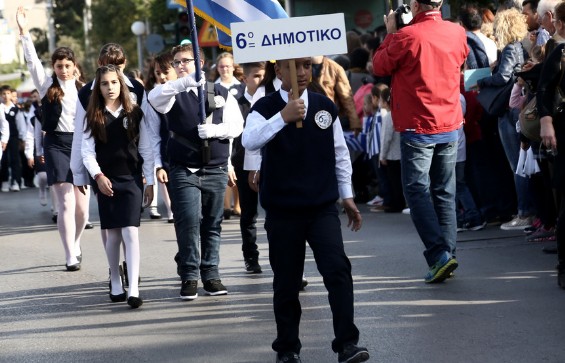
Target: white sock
81	216
113	239
131	240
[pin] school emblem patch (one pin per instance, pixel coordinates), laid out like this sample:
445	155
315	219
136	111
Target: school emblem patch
323	119
12	113
125	123
219	101
234	92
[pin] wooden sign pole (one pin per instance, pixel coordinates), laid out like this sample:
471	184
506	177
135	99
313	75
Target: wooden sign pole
294	86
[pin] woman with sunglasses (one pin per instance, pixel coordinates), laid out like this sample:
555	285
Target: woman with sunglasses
59	97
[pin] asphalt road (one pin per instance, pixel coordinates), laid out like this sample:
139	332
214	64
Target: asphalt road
503	305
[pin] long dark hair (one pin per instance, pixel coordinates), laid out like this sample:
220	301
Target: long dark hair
55	92
96	110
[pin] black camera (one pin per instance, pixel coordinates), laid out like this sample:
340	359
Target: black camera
403	16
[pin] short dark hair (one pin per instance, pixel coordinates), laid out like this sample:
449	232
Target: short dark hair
359	58
248	67
533	4
471	17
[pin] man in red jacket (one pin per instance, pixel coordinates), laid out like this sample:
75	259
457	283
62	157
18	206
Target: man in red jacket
424	59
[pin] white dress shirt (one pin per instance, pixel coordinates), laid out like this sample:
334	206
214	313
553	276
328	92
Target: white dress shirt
88	150
42	82
259	131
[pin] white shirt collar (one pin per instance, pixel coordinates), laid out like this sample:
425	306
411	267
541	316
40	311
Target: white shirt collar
116	113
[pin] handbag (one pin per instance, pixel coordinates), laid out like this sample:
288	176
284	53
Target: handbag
495	99
529	116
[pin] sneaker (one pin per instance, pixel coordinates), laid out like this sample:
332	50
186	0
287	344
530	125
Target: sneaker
215	287
353	354
441	269
518	223
475	226
542	235
189	290
5	187
536	224
252	266
375	201
15	187
288	357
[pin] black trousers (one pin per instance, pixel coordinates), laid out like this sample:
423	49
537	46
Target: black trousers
11	160
287	234
248	200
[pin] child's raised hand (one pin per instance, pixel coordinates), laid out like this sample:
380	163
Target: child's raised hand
21	19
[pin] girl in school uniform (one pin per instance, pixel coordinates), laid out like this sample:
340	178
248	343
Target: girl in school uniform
115	149
59	98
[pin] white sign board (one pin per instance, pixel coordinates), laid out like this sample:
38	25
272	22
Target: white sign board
298	37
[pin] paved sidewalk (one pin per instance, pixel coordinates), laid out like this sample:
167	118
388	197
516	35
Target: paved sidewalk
503	305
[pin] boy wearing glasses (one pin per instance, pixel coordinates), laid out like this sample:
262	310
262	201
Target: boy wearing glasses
197	186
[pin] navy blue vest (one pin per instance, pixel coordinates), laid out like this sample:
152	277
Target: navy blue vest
298	165
164	135
11	118
118	155
185	146
238	151
51	113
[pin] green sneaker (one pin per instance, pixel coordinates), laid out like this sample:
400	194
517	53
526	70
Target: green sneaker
442	269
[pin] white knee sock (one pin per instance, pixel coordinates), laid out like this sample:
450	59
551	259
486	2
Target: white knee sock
131	240
66	219
113	240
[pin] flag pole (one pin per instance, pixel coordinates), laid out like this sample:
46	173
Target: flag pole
294	86
197	60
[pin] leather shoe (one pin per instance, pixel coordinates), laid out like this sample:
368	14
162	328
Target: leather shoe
118	298
134	302
89	225
288	357
74	267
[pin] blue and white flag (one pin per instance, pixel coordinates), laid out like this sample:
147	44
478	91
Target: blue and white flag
221	13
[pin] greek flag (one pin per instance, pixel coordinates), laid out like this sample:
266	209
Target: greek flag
221	13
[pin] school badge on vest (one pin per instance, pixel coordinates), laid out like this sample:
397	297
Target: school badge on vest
219	101
323	119
12	113
125	123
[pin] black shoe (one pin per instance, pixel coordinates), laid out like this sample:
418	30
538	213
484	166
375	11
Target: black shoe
89	226
288	357
252	266
227	213
215	287
353	354
74	267
155	216
171	220
54	218
304	283
551	250
118	298
134	302
189	290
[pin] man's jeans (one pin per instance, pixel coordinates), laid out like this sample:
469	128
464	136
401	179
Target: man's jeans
428	179
198	205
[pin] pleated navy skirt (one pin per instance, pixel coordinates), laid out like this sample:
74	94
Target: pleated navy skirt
57	150
123	209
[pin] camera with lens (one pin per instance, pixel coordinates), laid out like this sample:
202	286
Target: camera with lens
403	16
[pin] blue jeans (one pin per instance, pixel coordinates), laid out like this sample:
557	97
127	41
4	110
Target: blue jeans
467	211
511	143
197	201
428	179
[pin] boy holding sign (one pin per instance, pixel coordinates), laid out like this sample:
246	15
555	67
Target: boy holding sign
303	173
